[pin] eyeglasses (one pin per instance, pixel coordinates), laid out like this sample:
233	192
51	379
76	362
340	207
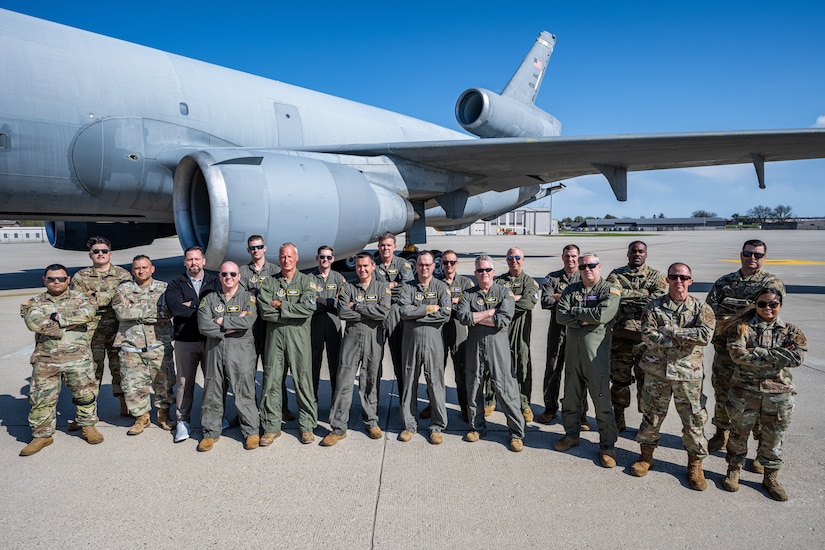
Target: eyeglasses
100	251
226	274
763	304
62	279
256	247
749	253
674	277
511	258
484	270
582	267
324	257
449	262
425	265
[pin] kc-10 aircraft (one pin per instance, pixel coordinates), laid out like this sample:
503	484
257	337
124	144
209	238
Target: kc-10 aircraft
101	136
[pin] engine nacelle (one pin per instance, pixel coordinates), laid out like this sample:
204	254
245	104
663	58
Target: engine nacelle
489	115
222	196
73	235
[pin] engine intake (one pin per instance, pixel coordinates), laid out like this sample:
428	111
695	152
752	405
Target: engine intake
223	196
489	115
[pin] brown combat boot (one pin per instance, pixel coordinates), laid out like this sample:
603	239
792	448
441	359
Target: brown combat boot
718	441
696	476
141	423
645	462
731	481
91	435
36	445
771	483
756	467
124	409
164	421
618	413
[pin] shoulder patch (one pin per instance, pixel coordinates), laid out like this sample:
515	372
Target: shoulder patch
616	291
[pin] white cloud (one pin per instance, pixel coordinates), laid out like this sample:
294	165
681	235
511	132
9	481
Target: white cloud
820	122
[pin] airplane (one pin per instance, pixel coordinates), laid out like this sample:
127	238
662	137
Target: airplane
102	136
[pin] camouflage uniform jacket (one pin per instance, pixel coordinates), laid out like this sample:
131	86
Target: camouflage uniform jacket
554	283
639	286
733	292
675	335
328	290
521	285
251	279
297	297
64	337
144	320
399	271
765	354
100	284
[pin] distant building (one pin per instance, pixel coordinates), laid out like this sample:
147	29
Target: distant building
17	234
651	224
524	221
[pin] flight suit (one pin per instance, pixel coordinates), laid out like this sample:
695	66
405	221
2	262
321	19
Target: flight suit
326	327
288	346
398	271
455	339
488	350
362	346
230	360
423	345
555	282
588	314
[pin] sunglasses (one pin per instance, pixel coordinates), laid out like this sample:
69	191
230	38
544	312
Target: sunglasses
62	279
516	258
256	247
449	262
484	270
226	274
100	251
582	267
763	304
675	277
324	257
749	253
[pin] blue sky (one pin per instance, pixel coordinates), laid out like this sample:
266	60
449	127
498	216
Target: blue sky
618	68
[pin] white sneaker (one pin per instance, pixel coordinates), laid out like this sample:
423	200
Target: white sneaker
182	431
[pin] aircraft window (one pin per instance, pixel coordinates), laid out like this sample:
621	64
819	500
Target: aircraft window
184	108
4	141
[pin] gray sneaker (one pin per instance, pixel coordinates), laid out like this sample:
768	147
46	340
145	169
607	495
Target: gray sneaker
182	431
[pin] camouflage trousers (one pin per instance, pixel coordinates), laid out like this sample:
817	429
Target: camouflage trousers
141	372
102	339
624	363
690	404
772	410
721	373
44	391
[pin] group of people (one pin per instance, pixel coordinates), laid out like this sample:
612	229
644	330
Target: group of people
637	324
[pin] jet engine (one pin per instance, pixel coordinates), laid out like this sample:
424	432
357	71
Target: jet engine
223	196
489	115
122	235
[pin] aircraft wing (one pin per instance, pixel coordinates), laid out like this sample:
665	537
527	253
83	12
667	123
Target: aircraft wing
504	163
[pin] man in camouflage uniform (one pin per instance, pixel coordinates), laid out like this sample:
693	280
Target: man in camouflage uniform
455	334
59	318
100	281
253	275
639	283
587	309
487	309
326	327
424	306
553	285
363	305
675	329
731	294
226	319
394	271
525	292
287	302
145	341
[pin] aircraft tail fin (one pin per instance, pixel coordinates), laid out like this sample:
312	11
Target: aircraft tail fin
525	83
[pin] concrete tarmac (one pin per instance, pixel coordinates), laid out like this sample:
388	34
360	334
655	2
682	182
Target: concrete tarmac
146	491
